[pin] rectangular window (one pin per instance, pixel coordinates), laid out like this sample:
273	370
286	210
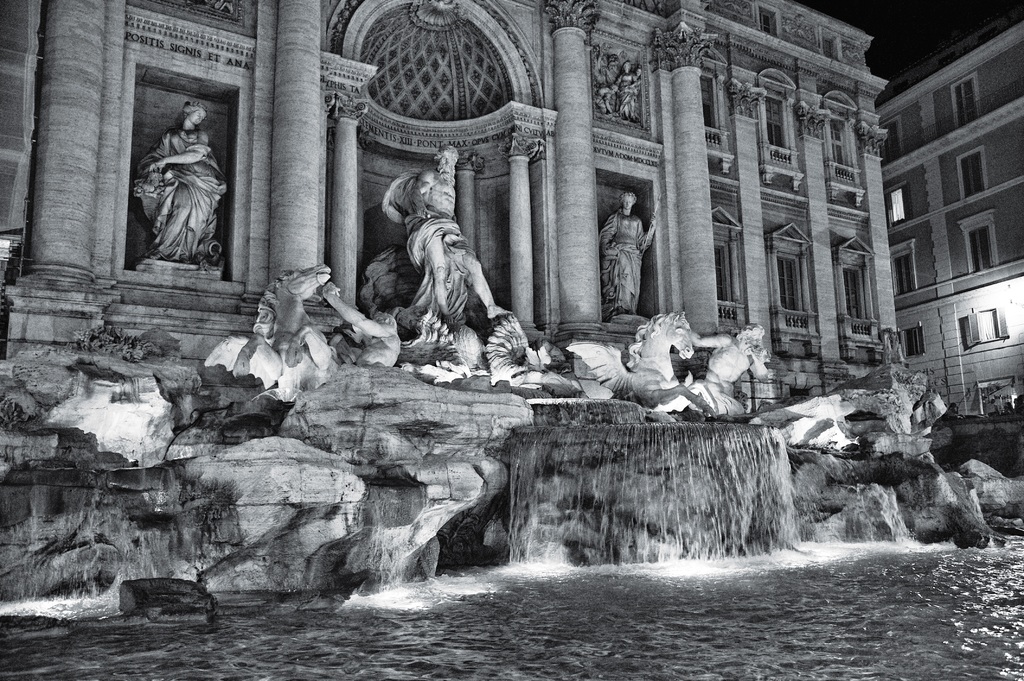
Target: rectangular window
964	101
773	117
981	249
913	341
828	48
854	294
723	278
981	327
766	19
971	177
836	135
707	97
897	211
903	273
789	297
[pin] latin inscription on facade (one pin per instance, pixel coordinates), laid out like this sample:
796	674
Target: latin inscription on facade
188	42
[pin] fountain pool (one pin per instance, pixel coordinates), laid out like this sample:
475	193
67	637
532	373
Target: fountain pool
822	611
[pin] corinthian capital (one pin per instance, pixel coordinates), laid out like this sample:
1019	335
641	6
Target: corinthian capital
683	46
340	105
810	121
522	145
572	14
470	161
744	98
871	137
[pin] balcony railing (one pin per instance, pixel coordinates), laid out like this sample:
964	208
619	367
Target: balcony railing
779	161
841	179
731	314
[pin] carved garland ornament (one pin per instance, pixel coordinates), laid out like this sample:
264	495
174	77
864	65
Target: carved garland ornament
683	46
572	14
744	98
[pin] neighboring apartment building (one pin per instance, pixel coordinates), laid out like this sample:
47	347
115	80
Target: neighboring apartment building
953	171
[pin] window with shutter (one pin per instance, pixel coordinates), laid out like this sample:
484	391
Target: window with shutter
965	102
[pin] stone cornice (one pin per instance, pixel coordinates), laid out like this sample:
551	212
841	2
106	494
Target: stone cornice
744	98
380	125
580	14
682	46
344	75
181	36
623	147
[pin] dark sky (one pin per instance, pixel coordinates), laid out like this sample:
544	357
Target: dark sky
906	30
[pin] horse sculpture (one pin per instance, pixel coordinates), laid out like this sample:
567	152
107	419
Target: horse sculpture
285	347
647	377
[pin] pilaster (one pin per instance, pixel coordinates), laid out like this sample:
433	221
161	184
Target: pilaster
754	263
870	139
827	301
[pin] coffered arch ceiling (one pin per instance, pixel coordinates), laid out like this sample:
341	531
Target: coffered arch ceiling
438	60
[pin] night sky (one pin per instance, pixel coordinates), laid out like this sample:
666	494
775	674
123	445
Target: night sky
907	30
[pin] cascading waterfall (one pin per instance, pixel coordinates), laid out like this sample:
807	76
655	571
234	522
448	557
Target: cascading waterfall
649	492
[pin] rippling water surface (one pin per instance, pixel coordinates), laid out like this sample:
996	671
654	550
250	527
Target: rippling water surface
823	612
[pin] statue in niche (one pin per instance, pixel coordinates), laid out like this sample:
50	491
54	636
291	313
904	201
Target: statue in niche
623	241
616	85
181	185
425	202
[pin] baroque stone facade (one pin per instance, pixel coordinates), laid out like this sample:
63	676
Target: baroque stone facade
758	172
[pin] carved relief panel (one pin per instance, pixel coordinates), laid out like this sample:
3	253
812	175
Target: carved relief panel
619	83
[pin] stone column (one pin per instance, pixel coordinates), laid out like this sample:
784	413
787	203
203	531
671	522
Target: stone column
870	138
579	282
345	111
520	151
296	143
811	128
745	102
68	140
682	52
466	169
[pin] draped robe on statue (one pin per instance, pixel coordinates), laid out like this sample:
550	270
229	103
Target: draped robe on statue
623	242
421	231
184	209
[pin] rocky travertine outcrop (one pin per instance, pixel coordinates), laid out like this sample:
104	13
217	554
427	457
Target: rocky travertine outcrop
883	498
396	462
133	408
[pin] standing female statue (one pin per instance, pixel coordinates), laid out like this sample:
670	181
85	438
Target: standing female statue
623	242
180	186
